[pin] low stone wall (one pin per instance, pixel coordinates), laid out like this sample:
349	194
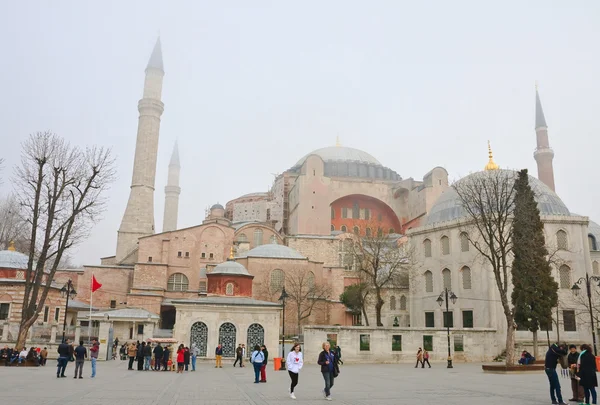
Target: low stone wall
361	344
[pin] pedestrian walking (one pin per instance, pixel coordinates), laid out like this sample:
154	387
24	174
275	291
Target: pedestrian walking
180	358
263	369
239	352
158	355
219	356
43	356
338	353
419	357
576	387
586	366
425	359
553	357
80	356
65	351
294	363
94	350
243	355
131	351
194	352
329	368
147	356
257	358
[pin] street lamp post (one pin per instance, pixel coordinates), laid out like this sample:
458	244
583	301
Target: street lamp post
67	292
282	298
447	296
588	280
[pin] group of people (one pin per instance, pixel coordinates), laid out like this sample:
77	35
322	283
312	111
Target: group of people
581	370
422	358
67	353
35	356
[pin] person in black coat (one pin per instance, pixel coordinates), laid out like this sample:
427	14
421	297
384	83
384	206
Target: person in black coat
166	357
186	357
586	371
158	357
329	368
140	356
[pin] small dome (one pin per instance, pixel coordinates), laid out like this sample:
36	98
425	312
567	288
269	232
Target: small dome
217	206
10	259
230	267
449	206
273	251
594	229
341	154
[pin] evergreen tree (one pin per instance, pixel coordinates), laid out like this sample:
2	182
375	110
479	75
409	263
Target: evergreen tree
535	292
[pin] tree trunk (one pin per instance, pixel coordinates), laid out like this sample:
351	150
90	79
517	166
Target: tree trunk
378	307
535	344
510	343
22	335
364	311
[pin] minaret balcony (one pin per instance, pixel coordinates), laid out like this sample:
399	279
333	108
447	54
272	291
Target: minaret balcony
543	152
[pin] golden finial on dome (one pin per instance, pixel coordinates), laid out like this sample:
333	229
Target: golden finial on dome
337	141
11	246
231	253
491	164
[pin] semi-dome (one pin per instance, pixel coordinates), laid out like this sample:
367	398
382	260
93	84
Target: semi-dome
10	259
273	251
594	230
448	206
341	154
231	268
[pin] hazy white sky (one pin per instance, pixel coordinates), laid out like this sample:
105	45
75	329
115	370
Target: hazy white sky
252	86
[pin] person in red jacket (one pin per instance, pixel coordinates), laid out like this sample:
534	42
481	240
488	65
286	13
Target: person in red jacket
180	358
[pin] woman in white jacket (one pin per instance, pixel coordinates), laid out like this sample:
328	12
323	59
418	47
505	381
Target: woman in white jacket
294	363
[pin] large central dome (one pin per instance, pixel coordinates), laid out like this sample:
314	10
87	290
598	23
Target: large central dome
341	154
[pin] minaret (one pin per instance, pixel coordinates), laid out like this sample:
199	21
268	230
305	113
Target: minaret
543	153
138	219
172	191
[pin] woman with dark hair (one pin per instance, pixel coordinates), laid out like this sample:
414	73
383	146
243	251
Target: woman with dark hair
294	363
263	369
586	372
180	358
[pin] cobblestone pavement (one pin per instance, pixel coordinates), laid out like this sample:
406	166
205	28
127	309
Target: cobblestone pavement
357	385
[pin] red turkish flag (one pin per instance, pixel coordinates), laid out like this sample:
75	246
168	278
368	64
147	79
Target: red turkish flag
95	284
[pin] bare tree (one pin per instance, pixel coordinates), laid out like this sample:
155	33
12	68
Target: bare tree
13	228
384	262
304	294
487	199
60	194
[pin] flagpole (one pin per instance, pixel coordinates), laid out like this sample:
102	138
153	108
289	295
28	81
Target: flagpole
91	300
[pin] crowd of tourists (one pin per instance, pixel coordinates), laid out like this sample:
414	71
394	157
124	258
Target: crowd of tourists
35	356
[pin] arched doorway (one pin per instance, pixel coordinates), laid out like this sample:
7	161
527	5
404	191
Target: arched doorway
199	336
256	336
227	337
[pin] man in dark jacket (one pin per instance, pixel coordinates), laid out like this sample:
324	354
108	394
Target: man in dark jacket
166	355
65	351
147	356
80	356
553	357
575	386
158	356
239	352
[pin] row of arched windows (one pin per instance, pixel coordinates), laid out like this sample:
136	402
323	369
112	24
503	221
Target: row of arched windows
465	272
402	303
258	238
445	245
278	280
368	231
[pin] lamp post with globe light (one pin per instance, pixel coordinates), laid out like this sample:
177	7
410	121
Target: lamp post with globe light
67	291
282	298
447	296
588	280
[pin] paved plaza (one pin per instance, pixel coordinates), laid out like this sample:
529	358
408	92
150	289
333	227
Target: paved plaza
357	385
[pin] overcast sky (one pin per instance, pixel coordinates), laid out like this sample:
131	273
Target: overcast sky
252	86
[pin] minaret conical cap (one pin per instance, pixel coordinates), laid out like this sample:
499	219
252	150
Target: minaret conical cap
156	60
540	120
175	155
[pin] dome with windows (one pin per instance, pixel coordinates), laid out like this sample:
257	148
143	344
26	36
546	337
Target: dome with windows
448	206
273	251
230	267
341	154
11	259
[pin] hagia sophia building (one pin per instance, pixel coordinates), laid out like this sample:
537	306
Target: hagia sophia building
237	260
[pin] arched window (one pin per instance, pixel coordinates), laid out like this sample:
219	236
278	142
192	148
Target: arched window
392	231
466	278
402	303
561	240
258	237
310	281
392	303
332	227
273	240
565	276
368	231
445	243
428	281
592	242
447	278
379	232
356	230
277	280
427	247
595	268
229	289
242	238
464	242
177	282
343	228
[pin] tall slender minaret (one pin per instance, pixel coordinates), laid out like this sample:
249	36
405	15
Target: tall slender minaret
172	191
138	219
543	153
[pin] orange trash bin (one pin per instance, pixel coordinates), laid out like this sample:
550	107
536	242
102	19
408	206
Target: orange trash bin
277	363
597	362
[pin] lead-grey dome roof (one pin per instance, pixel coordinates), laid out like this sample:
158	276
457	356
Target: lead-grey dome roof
230	267
217	206
594	229
448	207
341	153
273	251
13	260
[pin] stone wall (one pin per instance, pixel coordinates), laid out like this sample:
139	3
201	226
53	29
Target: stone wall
116	282
478	345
